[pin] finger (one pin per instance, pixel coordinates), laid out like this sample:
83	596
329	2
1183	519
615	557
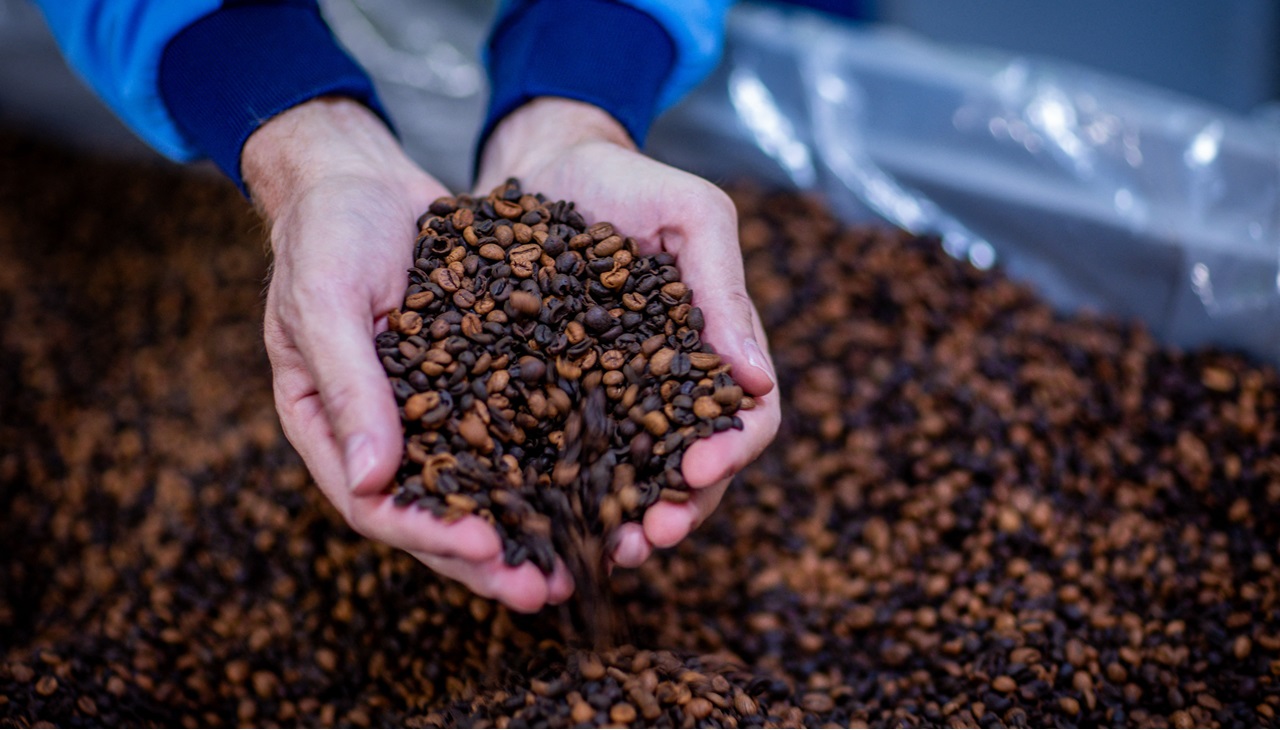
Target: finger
633	547
335	337
522	588
711	263
667	523
720	456
559	584
304	421
416	530
762	343
299	407
376	516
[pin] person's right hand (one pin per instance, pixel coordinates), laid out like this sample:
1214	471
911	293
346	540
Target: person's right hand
341	198
570	150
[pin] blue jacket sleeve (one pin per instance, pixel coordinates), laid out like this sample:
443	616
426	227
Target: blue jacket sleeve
116	47
632	58
196	78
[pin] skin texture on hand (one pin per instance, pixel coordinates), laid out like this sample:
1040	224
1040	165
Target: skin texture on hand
573	151
341	199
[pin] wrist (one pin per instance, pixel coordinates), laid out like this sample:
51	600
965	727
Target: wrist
542	130
316	141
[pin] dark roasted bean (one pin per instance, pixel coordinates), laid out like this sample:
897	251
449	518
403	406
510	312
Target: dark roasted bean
978	511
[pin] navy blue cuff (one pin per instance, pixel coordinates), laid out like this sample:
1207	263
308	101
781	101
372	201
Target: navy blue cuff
597	51
226	74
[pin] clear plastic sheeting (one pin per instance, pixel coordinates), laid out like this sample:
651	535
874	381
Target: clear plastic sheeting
1102	193
424	57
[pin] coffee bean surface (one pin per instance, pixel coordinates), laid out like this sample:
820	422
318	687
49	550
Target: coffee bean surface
550	387
977	513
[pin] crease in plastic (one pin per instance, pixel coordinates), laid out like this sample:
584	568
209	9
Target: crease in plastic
1100	192
1103	193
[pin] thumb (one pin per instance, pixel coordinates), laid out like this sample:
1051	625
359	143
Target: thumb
336	344
712	264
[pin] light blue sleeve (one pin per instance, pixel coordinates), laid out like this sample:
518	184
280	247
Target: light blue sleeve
697	28
115	46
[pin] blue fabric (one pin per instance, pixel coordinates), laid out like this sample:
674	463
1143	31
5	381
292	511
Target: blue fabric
196	77
229	72
697	28
115	46
852	9
632	58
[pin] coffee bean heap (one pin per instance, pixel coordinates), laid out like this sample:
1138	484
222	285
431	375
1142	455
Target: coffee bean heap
546	372
977	512
622	687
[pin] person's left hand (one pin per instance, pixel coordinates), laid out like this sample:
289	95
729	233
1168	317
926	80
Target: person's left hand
573	151
341	198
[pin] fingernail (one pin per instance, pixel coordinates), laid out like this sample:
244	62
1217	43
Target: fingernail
359	460
756	358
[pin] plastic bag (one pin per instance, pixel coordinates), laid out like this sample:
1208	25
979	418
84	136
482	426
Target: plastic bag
1100	192
424	59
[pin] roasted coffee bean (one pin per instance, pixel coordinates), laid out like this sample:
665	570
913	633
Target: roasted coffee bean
568	263
554	247
600	266
597	319
524	304
561	285
967	487
561	349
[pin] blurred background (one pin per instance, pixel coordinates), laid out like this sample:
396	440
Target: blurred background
1122	157
1224	52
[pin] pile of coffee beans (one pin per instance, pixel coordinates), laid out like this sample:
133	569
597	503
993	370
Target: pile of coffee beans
623	687
977	512
549	377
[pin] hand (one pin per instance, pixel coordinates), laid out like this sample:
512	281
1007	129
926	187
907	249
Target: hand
341	199
573	151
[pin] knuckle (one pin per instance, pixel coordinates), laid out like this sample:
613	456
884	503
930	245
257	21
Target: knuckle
742	304
773	420
274	336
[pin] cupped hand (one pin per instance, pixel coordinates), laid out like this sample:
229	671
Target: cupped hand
341	199
573	151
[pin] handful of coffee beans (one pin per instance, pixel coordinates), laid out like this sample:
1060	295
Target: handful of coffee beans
548	375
